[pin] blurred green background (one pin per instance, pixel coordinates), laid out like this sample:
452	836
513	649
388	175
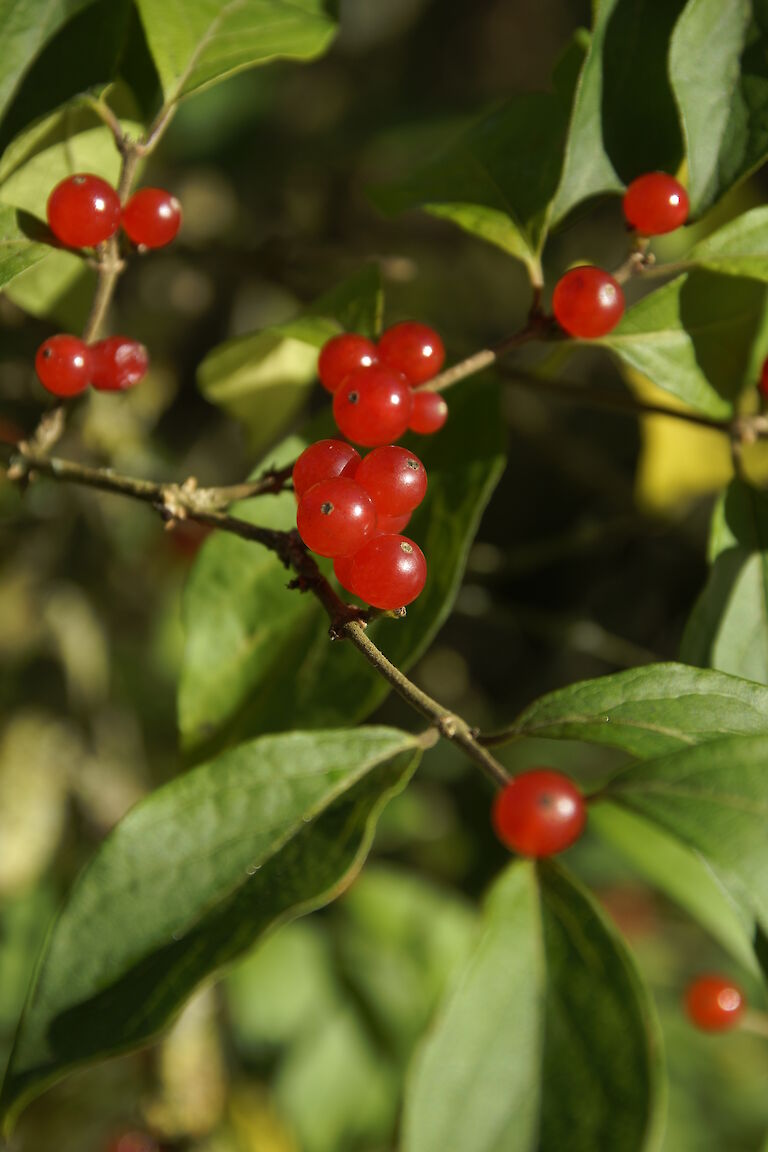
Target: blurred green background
588	561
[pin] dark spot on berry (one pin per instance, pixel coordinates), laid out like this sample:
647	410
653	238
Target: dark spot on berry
546	801
413	465
47	353
78	179
326	508
406	547
353	397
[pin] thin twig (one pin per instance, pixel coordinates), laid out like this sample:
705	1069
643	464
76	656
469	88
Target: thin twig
185	501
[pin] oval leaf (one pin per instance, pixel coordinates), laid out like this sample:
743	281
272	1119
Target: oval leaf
738	249
649	711
18	248
196	43
25	28
189	880
258	657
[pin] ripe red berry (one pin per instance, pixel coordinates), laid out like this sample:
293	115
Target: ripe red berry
388	525
414	349
394	478
588	302
539	813
322	461
83	211
655	203
152	217
388	572
373	406
429	413
336	517
714	1003
342	569
63	365
763	383
118	363
342	355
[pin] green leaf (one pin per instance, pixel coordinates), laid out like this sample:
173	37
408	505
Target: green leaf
547	1039
728	628
73	139
18	249
257	656
738	249
190	879
25	27
650	710
700	337
196	43
680	874
474	1086
263	379
713	798
603	1076
718	65
59	287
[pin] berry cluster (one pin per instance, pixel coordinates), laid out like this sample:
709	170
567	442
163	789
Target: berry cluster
66	365
588	302
84	211
354	509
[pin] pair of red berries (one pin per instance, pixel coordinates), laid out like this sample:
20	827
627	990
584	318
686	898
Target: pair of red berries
376	396
588	302
66	365
354	509
84	211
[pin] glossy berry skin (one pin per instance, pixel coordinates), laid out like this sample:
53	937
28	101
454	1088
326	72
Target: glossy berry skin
539	813
83	211
588	302
714	1003
342	355
118	363
152	218
322	461
389	572
394	478
387	525
342	570
336	517
373	406
63	365
429	413
414	349
655	203
762	386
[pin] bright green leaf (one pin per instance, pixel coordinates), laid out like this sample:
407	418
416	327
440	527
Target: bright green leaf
258	657
190	879
700	337
713	798
18	249
650	710
603	1078
196	43
728	628
59	287
718	66
680	874
263	379
475	1085
738	249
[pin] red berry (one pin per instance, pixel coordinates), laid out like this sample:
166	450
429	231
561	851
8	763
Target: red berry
83	211
342	355
336	517
152	217
322	461
389	572
342	569
588	302
63	365
656	203
133	1142
373	406
429	413
414	349
394	478
714	1003
387	525
763	384
539	813
118	363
